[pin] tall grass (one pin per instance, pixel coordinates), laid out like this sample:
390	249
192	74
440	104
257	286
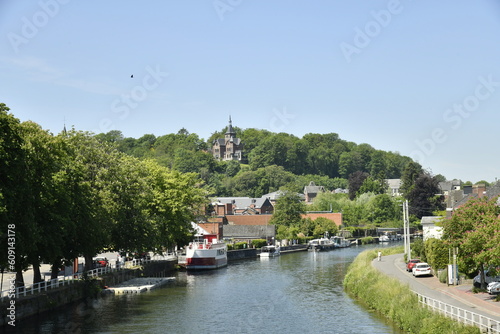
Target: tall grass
394	300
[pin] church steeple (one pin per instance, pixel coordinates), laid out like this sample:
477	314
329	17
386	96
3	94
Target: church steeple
230	130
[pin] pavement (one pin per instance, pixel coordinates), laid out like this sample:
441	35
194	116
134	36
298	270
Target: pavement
456	295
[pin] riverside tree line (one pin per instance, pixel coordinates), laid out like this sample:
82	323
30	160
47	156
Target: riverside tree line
71	195
77	193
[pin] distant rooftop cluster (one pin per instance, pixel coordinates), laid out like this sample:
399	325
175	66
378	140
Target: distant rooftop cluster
456	193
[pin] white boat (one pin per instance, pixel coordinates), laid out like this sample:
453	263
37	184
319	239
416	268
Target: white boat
322	244
340	242
206	252
384	238
270	251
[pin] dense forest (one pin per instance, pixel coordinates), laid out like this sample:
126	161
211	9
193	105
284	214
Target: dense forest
281	161
271	160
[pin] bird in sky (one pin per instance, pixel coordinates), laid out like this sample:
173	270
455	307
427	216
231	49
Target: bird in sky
132	76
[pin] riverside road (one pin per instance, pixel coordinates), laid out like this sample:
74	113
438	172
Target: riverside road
460	296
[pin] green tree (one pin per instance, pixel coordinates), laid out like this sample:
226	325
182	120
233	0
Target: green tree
351	162
372	185
178	199
323	225
45	157
410	173
87	171
384	209
356	180
473	229
437	253
424	196
288	210
16	216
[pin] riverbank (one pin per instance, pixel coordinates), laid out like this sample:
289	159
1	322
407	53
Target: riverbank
392	299
46	301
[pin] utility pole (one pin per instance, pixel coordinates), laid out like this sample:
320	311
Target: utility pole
407	215
406	228
404	231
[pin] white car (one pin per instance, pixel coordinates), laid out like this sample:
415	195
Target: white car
494	288
421	269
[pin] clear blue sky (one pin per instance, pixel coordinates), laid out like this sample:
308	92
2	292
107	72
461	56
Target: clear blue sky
421	78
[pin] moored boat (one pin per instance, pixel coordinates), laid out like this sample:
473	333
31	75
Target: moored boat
321	244
384	238
269	251
206	252
340	242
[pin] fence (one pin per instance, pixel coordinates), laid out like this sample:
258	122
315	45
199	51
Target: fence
485	324
30	289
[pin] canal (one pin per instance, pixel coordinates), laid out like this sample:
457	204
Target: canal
294	293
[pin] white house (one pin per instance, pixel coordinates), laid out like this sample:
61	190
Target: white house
430	230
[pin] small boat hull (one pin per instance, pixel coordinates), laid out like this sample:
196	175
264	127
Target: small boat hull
269	251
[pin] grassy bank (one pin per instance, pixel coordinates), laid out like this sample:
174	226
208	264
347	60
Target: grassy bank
394	300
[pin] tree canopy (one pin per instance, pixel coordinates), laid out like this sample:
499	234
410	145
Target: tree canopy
474	229
324	156
74	194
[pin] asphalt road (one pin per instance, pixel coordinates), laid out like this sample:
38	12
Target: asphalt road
459	296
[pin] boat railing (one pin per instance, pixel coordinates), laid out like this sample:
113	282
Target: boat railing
201	245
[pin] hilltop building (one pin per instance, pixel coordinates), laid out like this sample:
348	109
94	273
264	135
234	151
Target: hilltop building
311	191
228	148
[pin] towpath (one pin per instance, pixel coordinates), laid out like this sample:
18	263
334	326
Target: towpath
459	296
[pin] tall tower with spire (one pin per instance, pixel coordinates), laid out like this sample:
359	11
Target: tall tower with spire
228	148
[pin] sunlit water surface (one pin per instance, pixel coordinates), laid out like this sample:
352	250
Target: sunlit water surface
294	293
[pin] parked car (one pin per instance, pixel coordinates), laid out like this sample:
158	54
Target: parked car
487	278
100	262
411	264
421	269
494	288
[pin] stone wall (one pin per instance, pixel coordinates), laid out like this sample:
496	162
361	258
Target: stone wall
45	301
242	254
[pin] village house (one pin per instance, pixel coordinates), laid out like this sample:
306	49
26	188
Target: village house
429	227
311	191
242	206
393	186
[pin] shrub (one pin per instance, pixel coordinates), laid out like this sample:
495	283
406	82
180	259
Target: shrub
443	276
258	243
240	245
478	290
367	240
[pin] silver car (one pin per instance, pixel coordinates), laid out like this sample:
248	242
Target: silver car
494	288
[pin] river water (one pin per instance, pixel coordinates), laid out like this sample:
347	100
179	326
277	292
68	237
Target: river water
294	293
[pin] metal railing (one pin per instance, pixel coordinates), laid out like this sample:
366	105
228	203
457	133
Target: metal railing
485	324
30	289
